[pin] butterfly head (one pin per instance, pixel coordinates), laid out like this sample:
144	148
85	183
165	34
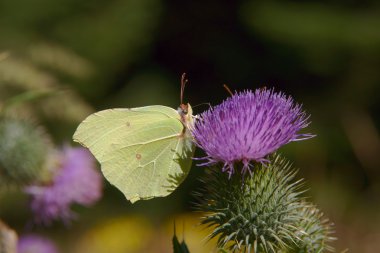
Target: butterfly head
186	113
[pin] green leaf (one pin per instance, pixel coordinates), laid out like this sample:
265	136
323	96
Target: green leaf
177	246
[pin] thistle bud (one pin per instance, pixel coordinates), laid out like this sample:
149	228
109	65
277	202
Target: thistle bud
262	213
24	152
316	231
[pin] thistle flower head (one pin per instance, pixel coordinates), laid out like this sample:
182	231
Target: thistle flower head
35	244
24	150
247	127
76	181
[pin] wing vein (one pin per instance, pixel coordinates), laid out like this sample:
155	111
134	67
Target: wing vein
152	140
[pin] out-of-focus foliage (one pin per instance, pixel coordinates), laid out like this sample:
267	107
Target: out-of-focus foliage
325	29
111	34
28	88
119	235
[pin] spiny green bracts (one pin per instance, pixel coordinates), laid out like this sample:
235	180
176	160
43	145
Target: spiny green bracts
316	235
24	150
258	214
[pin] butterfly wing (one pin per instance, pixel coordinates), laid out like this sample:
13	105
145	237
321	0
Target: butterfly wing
145	152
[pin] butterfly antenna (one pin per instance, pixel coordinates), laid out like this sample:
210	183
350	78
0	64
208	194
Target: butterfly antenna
197	105
183	84
228	89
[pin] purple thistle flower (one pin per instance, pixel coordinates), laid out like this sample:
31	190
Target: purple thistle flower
76	181
35	244
247	127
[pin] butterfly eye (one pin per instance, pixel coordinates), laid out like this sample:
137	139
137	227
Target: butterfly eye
183	109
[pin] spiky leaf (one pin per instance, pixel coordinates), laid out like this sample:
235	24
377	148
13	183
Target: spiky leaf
179	247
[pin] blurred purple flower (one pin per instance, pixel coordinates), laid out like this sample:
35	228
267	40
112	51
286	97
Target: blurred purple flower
35	244
76	181
247	127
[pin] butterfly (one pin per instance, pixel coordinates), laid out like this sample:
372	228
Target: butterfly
146	152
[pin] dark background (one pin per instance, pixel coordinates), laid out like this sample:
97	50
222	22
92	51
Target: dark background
103	54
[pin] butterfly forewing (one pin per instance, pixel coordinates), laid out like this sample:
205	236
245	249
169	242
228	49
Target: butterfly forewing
102	129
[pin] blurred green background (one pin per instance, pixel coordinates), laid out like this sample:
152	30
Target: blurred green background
90	55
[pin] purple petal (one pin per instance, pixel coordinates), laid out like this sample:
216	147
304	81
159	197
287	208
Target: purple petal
249	126
35	244
77	181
